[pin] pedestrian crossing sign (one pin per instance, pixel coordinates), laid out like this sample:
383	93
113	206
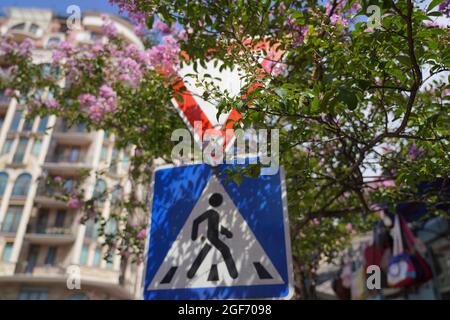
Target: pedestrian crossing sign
213	239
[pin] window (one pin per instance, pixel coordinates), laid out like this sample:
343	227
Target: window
96	36
46	68
97	257
77	296
7	146
84	255
2	120
125	162
67	153
51	256
68	185
19	26
28	125
16	121
3	182
53	41
116	193
114	157
12	219
43	125
100	190
36	149
22	185
60	218
7	250
20	150
34	28
41	223
91	229
74	154
33	294
104	153
81	127
111	226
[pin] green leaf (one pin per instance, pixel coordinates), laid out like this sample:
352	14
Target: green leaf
433	4
348	97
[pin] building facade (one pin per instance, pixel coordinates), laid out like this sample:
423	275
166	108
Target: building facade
42	242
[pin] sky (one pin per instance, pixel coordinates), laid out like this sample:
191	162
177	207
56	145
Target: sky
60	6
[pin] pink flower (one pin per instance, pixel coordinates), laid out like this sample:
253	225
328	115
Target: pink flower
444	8
74	203
356	6
51	103
9	92
95	112
349	227
382	184
315	221
26	46
142	234
414	153
125	253
161	26
338	20
107	92
139	30
388	183
109	29
138	152
65	45
57	179
86	100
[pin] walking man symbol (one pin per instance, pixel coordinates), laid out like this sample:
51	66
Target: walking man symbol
212	234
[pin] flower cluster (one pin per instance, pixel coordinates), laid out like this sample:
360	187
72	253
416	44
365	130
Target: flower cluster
132	10
298	32
97	107
9	46
122	65
337	13
444	8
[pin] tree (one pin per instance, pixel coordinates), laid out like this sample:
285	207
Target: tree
362	109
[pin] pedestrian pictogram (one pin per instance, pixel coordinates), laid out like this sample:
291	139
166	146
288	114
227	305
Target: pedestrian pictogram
207	242
212	217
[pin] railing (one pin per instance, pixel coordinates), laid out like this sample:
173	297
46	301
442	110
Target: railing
8	227
35	227
64	128
60	157
25	267
46	190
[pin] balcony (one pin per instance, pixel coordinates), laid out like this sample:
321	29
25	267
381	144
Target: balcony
7	268
8	229
46	196
67	161
40	270
47	234
75	135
